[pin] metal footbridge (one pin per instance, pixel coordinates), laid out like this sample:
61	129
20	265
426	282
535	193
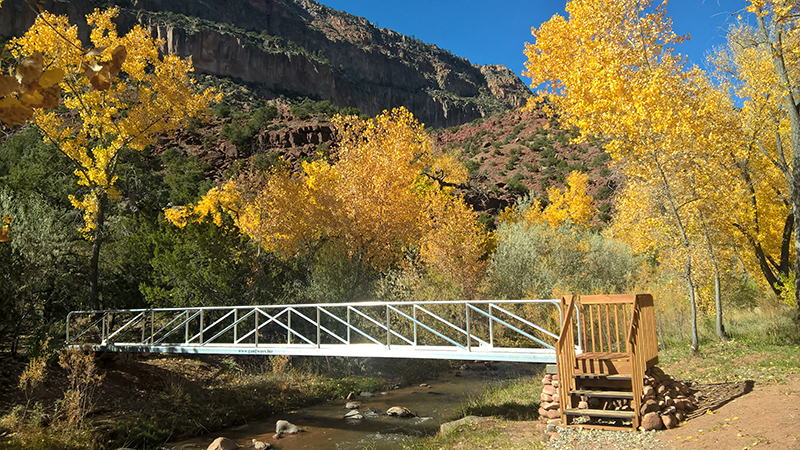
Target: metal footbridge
489	330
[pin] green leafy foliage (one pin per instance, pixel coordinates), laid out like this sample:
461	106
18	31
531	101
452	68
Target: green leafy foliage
539	262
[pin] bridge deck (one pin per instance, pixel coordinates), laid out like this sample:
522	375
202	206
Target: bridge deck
544	356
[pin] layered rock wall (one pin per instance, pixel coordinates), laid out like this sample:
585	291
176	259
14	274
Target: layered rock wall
302	48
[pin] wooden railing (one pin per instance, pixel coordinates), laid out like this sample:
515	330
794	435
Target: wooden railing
610	326
565	353
607	320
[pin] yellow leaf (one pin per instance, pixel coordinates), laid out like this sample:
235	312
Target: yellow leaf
51	77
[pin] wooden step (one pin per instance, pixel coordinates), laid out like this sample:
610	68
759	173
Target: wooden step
603	394
611	414
603	356
603	376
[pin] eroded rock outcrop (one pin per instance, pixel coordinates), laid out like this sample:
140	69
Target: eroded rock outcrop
299	47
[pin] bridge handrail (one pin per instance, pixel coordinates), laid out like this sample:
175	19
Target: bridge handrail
468	326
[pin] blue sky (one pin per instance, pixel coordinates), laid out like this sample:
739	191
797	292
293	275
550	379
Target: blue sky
494	32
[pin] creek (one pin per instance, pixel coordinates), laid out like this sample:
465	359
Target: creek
434	401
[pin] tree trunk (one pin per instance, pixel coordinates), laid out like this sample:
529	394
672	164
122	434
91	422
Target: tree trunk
721	334
717	294
97	242
690	284
772	40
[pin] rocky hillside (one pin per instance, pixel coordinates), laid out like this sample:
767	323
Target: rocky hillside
509	155
300	48
514	154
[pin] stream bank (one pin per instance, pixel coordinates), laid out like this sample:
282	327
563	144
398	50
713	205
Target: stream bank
440	399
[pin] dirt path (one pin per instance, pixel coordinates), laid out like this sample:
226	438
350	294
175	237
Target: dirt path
768	417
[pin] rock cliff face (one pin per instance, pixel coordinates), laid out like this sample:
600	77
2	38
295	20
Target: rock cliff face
302	48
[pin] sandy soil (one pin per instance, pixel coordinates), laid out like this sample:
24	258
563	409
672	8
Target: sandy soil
767	417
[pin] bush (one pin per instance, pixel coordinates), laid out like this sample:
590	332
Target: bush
515	185
603	193
264	115
307	108
600	159
350	111
541	262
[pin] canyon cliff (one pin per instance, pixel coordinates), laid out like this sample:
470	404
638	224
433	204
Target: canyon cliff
300	48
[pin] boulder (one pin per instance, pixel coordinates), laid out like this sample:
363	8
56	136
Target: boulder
284	427
352	405
370	413
399	411
223	443
353	415
550	405
652	421
549	413
649	406
669	420
258	445
549	389
450	426
366	394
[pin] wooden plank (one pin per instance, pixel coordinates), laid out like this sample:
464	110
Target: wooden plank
602	299
602	427
616	325
612	377
608	329
591	322
602	355
628	395
600	413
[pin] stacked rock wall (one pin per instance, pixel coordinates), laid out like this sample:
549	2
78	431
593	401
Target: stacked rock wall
665	400
550	405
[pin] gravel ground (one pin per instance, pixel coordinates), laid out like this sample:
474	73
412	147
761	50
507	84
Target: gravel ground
592	439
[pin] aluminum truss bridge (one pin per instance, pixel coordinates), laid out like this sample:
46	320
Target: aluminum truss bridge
488	330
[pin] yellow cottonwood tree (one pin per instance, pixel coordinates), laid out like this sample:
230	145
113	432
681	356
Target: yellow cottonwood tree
388	192
612	69
119	93
573	205
760	66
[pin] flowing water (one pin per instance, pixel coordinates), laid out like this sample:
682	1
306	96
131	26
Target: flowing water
325	428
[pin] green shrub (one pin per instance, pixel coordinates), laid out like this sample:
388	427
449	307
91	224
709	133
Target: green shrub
605	172
511	162
350	111
540	262
603	193
223	111
264	115
515	185
600	159
239	135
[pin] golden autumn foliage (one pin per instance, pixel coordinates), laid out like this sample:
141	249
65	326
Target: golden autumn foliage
382	197
613	71
572	206
118	94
